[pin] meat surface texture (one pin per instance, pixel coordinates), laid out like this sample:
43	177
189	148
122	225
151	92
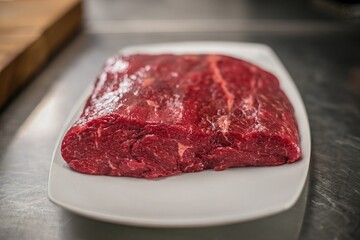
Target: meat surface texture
160	115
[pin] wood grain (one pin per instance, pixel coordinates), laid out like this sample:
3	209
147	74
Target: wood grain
30	32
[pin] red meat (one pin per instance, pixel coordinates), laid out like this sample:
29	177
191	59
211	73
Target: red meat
160	115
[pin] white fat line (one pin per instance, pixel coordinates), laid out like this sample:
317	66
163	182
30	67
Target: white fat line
219	79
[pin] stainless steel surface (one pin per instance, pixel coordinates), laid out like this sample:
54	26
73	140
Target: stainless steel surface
325	66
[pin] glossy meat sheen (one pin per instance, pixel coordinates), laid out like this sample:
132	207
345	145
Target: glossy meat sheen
160	115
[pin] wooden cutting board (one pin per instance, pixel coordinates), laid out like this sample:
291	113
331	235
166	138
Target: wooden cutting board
30	32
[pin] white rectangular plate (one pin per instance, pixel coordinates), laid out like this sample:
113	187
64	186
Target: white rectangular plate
194	199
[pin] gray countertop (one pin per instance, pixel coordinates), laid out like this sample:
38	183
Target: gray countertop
323	58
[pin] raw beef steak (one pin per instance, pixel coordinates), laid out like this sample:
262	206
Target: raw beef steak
160	115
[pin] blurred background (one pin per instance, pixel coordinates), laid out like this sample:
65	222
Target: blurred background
31	31
50	51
